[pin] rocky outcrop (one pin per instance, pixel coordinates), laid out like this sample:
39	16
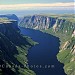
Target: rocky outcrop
73	50
40	22
73	34
65	45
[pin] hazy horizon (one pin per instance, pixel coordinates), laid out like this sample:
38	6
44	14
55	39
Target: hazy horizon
33	12
30	7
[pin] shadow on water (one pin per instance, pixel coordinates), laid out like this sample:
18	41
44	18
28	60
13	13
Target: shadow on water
42	57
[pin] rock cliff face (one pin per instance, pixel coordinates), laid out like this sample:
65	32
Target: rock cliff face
73	34
40	22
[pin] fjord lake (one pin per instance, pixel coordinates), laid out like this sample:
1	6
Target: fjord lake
42	57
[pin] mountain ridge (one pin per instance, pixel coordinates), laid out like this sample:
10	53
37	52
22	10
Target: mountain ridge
39	22
13	49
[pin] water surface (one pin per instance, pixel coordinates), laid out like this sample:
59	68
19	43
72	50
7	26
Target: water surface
42	57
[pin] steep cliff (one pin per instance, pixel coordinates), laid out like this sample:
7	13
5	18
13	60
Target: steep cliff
40	22
13	49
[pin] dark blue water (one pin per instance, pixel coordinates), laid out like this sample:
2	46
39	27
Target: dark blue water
42	57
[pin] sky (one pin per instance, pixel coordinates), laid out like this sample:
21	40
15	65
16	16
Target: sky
32	1
37	4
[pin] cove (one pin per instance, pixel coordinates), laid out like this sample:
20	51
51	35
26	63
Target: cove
42	57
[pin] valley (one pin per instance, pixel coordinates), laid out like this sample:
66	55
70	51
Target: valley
62	26
55	44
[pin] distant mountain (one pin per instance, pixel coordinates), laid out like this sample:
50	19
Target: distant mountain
13	49
40	22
